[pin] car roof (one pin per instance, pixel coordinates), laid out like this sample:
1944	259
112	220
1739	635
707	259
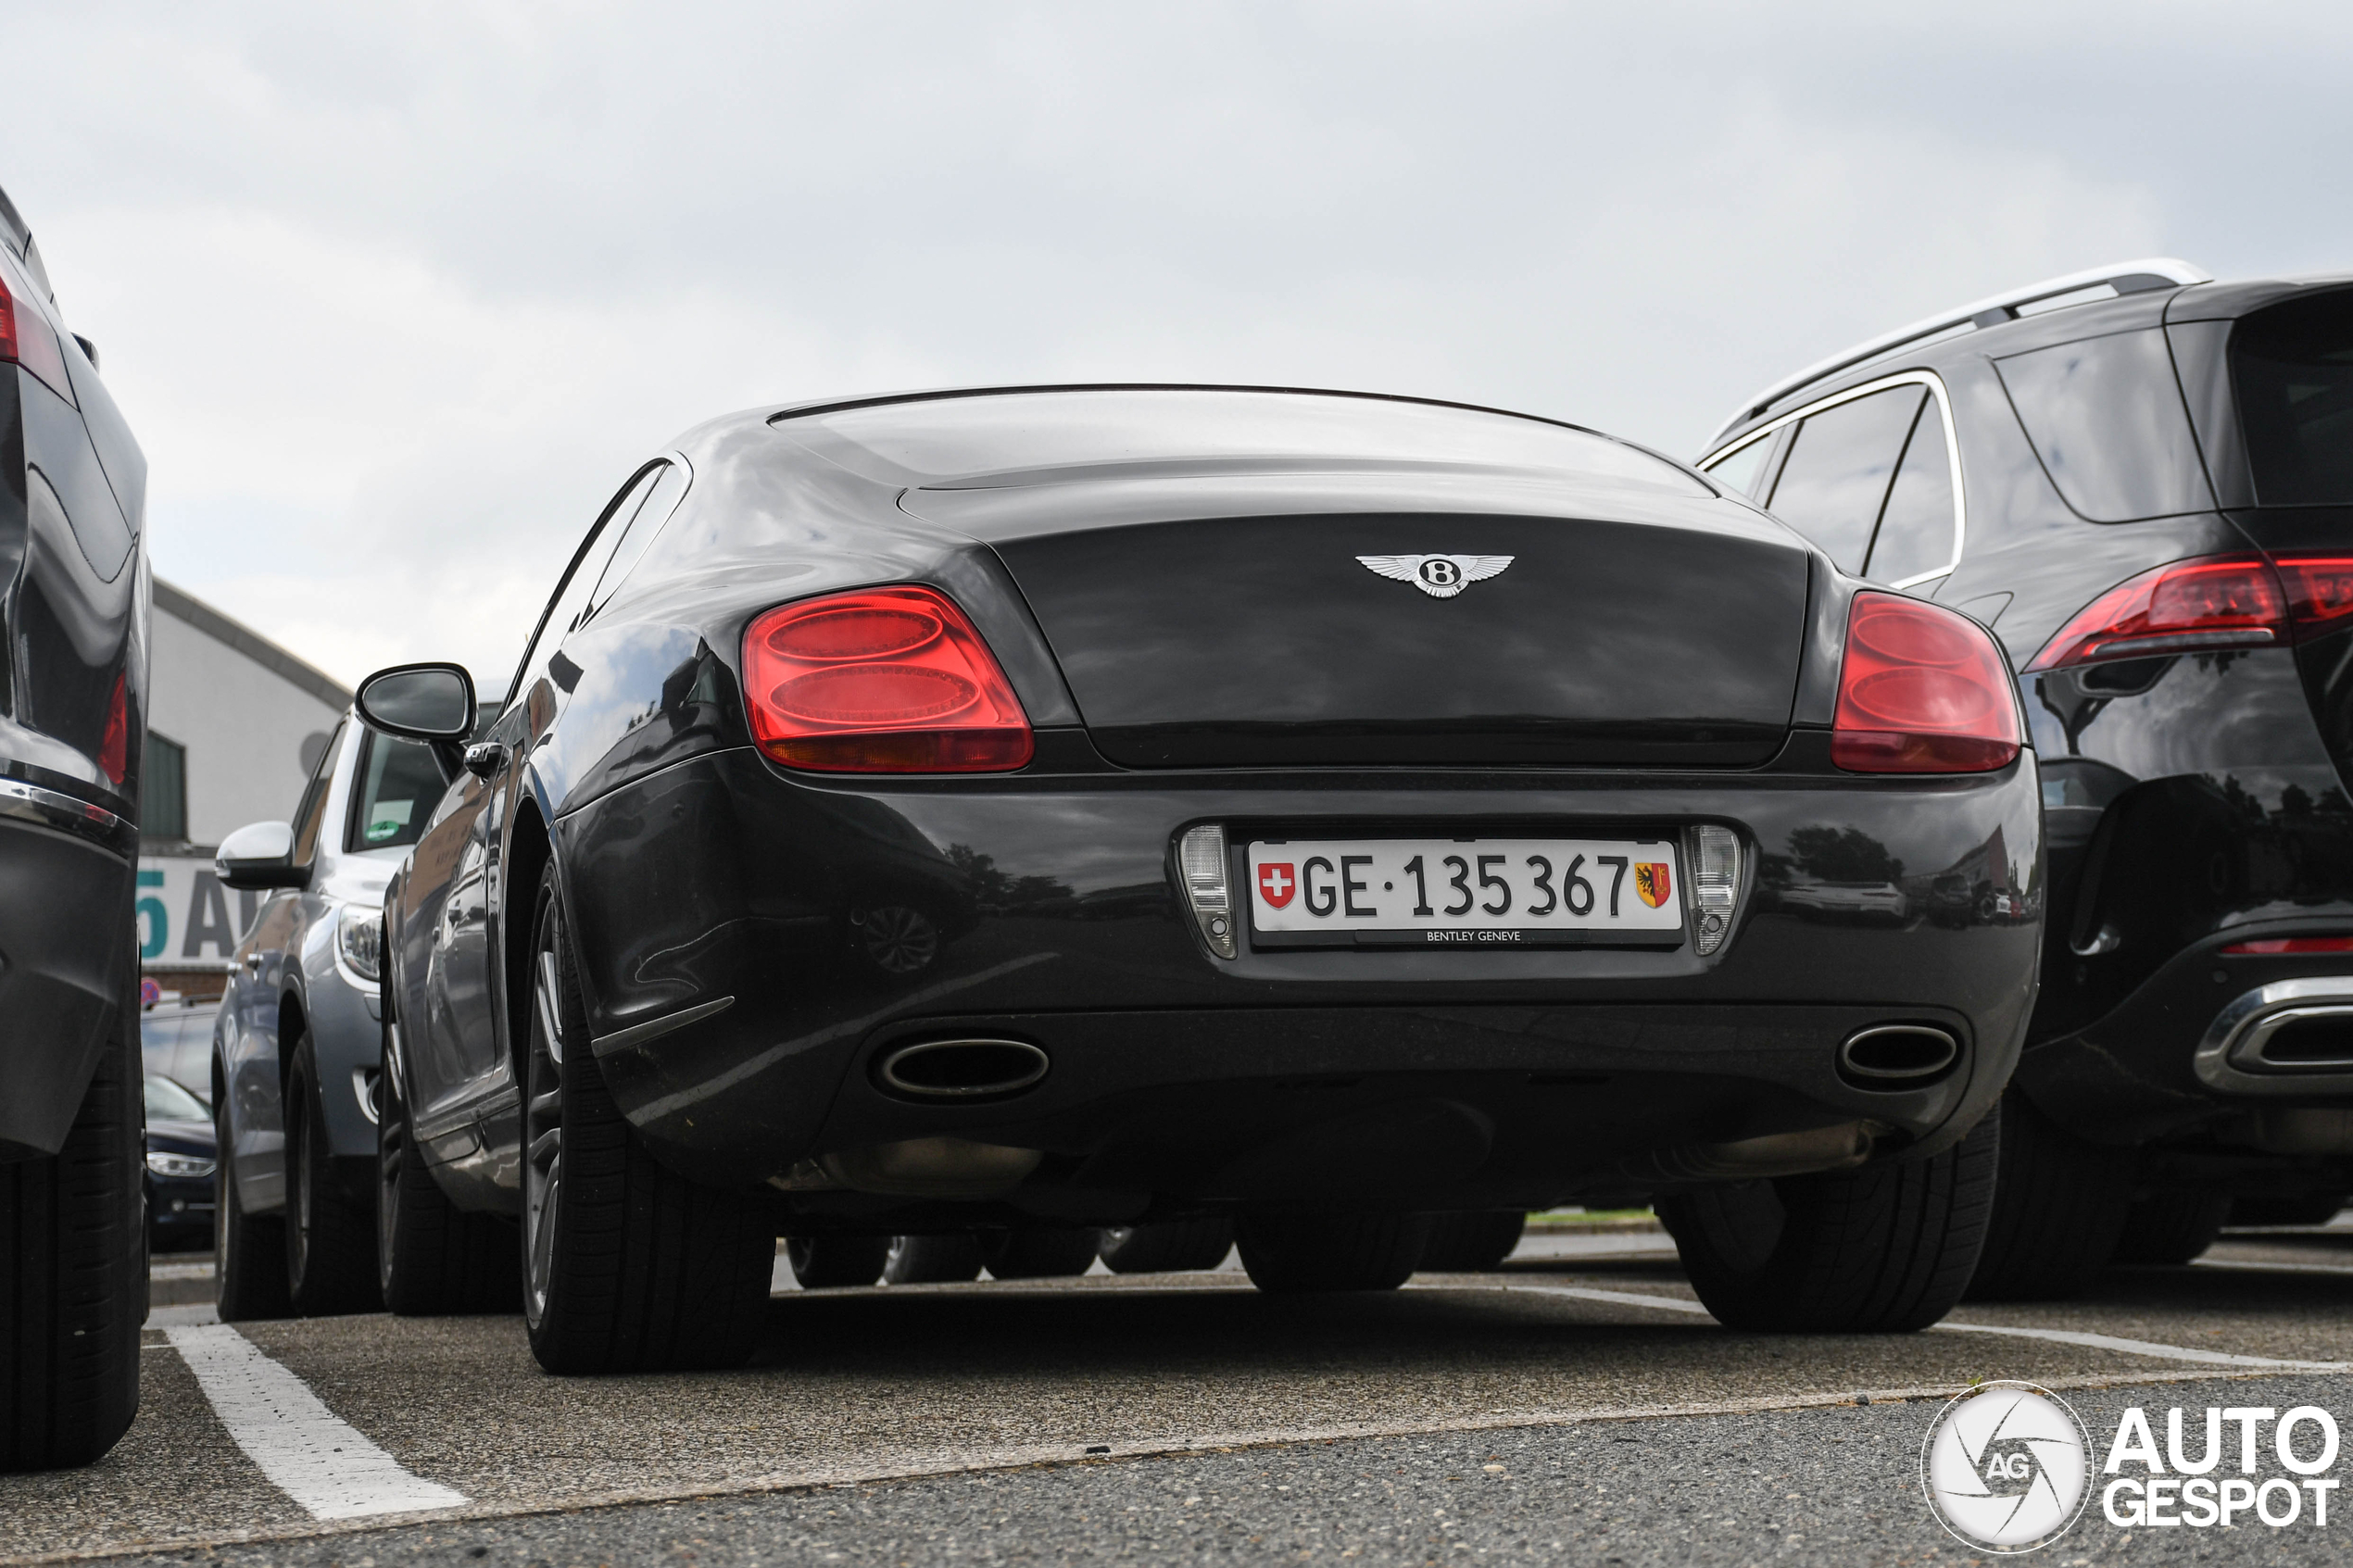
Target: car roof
1940	341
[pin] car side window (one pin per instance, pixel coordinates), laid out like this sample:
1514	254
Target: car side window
1836	479
397	784
312	813
1745	470
570	605
1915	531
631	538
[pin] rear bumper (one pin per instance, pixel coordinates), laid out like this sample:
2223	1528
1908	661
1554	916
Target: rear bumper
1448	1078
66	953
2193	1047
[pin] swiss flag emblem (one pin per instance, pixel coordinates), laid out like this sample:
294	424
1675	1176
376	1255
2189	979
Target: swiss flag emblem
1278	883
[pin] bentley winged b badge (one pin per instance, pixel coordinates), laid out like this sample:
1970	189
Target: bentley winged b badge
1442	577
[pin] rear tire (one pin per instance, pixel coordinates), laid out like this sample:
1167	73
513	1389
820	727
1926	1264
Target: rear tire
2057	1211
248	1251
627	1266
1881	1251
932	1259
331	1241
73	1274
432	1257
1172	1246
1295	1253
2171	1226
1038	1254
832	1262
1472	1243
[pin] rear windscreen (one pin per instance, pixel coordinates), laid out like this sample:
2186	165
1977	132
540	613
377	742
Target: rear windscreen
2291	369
1026	437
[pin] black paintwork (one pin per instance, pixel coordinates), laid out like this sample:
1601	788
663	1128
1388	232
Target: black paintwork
2193	802
1136	615
73	634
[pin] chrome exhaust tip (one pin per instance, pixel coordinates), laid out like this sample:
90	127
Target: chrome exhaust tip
1897	1055
961	1069
2292	1036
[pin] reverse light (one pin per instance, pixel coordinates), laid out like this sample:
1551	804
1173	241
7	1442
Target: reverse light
1201	859
2188	606
1716	885
1921	690
2274	945
881	681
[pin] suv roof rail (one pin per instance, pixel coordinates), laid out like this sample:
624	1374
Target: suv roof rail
2124	277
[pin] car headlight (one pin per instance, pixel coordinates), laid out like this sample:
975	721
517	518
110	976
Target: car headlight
179	1167
360	940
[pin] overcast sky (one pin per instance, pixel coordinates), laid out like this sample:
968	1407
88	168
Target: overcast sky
395	296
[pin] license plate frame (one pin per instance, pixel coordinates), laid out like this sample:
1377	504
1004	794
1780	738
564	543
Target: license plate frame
1389	918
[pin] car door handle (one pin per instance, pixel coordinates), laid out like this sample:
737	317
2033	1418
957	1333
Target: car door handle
252	963
484	758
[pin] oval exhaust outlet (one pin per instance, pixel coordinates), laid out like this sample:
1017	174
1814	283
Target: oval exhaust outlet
1893	1055
963	1069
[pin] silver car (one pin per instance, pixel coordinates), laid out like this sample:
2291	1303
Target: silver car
298	1039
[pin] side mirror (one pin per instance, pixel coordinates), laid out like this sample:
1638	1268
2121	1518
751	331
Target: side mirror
427	702
260	854
434	703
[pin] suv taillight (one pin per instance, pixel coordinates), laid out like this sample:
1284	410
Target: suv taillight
2218	602
880	681
1921	690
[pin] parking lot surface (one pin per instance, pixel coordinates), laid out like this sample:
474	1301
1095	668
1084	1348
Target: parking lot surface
1074	1420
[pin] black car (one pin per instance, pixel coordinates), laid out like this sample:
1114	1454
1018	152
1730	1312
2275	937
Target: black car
1041	809
2143	482
182	1157
73	678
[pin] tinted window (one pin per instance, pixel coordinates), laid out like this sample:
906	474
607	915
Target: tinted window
1835	477
397	783
2292	367
1916	530
629	542
2106	416
570	603
970	437
312	813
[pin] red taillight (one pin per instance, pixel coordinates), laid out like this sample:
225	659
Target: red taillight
882	681
1921	690
2319	592
2292	945
114	746
25	338
2222	602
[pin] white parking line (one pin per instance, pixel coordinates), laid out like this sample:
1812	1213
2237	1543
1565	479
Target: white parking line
308	1452
2055	1335
2264	1267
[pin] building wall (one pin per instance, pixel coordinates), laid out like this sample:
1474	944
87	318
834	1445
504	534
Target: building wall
242	706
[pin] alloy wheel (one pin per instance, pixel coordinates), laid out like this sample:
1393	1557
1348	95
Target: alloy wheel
543	1125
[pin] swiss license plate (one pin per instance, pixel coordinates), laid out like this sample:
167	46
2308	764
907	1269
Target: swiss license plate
1483	892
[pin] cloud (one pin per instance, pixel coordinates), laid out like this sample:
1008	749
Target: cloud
396	296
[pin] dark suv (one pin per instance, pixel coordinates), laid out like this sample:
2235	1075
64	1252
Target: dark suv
73	676
2143	480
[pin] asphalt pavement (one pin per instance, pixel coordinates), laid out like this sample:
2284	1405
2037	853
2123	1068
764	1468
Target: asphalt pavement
1578	1406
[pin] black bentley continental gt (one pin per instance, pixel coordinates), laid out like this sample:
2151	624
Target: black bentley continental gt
1016	811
